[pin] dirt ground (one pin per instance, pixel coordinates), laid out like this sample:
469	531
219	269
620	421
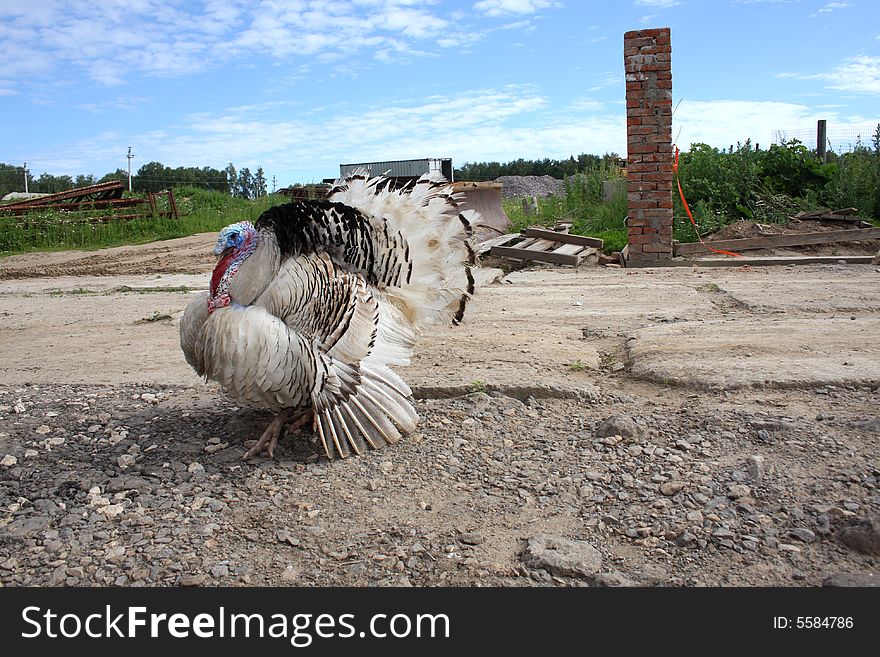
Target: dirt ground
591	426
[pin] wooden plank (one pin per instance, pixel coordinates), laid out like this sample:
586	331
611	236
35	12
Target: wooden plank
77	192
753	261
543	245
772	241
565	238
526	243
486	245
539	256
569	249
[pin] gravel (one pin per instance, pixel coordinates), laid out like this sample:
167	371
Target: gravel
117	486
516	186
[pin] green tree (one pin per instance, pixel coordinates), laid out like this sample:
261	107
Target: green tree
245	188
259	183
151	177
231	179
12	179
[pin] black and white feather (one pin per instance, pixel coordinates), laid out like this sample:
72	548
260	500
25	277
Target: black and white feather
309	307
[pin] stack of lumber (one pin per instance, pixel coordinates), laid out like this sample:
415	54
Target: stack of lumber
542	245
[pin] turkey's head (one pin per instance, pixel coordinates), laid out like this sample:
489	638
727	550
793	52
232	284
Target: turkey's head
234	244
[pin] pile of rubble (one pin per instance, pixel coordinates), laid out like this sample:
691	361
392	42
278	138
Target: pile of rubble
517	186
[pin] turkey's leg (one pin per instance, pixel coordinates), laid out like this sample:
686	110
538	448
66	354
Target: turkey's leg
269	439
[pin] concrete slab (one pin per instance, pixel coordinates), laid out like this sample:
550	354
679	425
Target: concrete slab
541	329
781	353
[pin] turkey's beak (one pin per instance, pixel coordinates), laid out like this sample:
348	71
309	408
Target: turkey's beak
221	249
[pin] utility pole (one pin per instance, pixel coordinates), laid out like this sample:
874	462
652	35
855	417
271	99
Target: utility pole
273	183
129	156
25	178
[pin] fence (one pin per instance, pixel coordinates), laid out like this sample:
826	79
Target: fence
838	138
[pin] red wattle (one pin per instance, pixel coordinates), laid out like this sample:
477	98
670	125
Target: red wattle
219	270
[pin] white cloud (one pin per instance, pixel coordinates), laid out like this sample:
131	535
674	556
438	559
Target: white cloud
721	123
500	123
112	41
830	7
859	74
506	7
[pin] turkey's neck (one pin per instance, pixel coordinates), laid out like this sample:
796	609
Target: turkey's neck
220	270
226	269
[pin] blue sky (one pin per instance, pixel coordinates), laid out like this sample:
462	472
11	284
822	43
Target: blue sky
300	86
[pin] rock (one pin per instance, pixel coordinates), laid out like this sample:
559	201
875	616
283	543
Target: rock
619	425
471	538
863	537
755	468
26	526
477	402
125	461
129	482
192	580
111	510
852	579
8	461
219	571
671	487
735	491
871	425
802	534
562	556
612	579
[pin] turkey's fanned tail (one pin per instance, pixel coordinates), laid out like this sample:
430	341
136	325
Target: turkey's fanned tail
423	235
375	413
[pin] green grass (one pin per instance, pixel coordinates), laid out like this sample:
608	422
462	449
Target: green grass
200	211
581	204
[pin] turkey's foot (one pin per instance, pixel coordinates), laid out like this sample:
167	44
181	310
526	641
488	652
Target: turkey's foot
269	439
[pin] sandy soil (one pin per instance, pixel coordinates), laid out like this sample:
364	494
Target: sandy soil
693	426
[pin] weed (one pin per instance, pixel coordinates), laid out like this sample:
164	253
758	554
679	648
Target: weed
607	360
149	290
155	317
478	385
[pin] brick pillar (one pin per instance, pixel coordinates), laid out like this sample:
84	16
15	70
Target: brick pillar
647	56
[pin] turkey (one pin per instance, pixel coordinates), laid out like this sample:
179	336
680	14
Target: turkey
307	308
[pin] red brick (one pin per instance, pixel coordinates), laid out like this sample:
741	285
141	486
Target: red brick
645	204
657	248
641	130
633	166
643	148
644	240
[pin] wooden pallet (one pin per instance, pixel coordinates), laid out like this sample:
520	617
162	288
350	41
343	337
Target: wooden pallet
541	245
